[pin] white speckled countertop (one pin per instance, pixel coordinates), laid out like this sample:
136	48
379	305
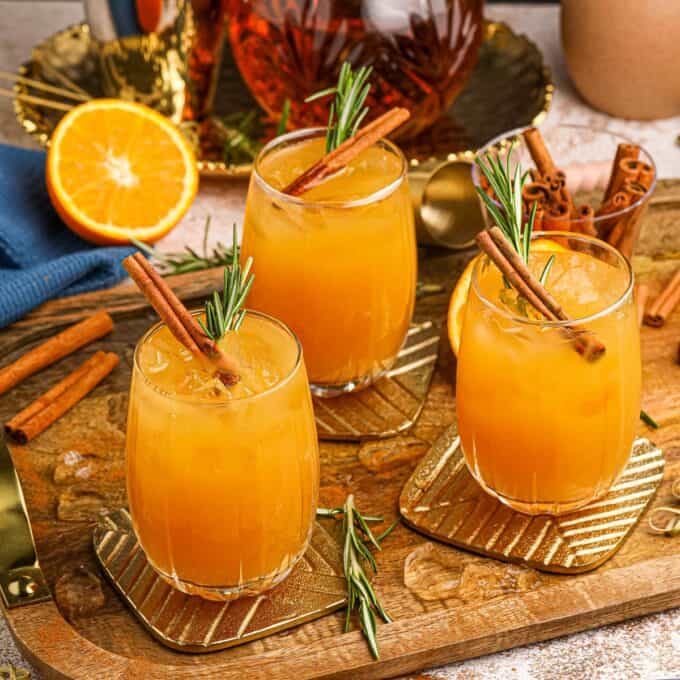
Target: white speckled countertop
647	648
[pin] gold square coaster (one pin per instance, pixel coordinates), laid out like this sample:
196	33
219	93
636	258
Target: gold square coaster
188	623
392	404
443	500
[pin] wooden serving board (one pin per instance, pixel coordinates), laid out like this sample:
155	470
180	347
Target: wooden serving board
447	604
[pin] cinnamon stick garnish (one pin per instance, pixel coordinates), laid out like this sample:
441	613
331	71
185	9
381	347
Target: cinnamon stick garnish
539	151
337	159
641	295
55	348
623	151
662	307
177	317
504	256
45	410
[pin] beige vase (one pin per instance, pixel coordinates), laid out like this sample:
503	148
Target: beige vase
624	55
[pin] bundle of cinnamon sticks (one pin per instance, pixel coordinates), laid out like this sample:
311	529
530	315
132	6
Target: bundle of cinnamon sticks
50	406
658	312
630	180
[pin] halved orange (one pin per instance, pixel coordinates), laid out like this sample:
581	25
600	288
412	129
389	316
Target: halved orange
118	170
459	296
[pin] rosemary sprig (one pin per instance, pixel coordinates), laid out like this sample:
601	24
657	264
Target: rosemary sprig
225	312
508	215
189	260
648	420
348	106
283	121
241	132
361	597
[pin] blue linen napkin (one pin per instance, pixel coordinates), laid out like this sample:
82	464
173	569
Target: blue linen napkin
40	258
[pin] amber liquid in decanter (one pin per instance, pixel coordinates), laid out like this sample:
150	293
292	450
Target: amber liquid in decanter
421	53
209	33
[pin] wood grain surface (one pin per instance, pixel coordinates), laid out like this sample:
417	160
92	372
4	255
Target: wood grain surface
447	604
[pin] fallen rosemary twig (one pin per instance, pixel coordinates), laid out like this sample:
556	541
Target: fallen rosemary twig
648	420
189	260
360	594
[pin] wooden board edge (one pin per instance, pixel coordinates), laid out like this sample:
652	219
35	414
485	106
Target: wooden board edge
56	649
425	641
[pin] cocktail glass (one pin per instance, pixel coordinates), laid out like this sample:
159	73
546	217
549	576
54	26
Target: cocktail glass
337	264
222	482
543	429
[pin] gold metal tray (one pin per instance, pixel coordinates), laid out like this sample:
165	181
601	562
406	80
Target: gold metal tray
509	87
187	623
442	499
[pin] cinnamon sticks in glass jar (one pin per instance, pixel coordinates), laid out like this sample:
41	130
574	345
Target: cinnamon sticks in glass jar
626	187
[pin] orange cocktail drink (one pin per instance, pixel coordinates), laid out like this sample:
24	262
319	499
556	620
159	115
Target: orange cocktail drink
222	481
543	429
337	264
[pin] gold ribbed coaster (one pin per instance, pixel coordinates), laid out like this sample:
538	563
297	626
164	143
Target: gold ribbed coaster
187	623
393	403
444	501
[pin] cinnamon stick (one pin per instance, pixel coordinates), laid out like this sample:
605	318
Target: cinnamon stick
55	348
177	317
625	231
48	408
623	151
662	307
628	171
584	222
501	252
337	159
539	151
536	192
538	219
646	176
556	217
617	202
641	294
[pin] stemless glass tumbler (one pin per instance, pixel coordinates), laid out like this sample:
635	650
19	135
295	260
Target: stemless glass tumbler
222	486
338	264
542	428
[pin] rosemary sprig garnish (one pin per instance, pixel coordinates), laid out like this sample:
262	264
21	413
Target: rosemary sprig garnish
189	260
360	594
225	312
283	120
508	215
347	108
